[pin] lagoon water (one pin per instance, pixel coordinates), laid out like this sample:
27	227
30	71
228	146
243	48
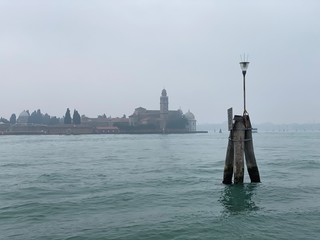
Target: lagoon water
157	187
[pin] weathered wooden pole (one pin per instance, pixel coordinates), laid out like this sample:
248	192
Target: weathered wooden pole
238	143
228	166
249	152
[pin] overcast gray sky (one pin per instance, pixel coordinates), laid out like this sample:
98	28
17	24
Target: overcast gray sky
111	56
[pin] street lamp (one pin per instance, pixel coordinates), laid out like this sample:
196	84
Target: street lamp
244	66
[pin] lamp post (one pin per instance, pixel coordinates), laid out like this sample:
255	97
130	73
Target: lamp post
244	66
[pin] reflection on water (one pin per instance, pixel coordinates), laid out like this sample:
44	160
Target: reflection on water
237	198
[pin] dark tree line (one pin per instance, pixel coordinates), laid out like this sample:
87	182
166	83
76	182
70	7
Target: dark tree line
13	119
67	118
36	117
76	119
3	120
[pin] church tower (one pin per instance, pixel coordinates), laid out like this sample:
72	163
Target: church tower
164	110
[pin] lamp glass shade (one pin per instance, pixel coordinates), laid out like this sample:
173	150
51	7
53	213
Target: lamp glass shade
244	66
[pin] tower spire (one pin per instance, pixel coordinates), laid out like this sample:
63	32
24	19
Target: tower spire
164	110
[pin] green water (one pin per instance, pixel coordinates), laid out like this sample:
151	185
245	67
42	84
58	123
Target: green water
156	187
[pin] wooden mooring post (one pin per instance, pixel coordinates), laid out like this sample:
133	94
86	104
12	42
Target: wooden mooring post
240	144
249	152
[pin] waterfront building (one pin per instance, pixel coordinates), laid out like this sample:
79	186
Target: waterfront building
163	119
105	121
192	122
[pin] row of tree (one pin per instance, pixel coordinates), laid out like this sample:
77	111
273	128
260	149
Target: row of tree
36	117
76	119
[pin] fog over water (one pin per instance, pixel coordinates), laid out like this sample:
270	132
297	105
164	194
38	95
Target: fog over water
113	56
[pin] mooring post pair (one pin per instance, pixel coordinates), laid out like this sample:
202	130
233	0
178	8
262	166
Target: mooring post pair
240	143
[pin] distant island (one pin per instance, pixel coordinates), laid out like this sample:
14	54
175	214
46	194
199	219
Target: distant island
142	121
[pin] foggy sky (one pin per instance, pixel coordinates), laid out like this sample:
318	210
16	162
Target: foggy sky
110	57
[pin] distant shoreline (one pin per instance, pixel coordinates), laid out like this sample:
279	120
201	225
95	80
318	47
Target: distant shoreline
120	133
81	130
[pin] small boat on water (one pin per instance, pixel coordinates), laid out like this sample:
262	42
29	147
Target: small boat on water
254	130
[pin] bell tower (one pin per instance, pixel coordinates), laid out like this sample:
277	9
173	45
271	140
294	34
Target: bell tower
164	110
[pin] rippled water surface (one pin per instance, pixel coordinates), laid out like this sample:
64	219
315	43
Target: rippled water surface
156	187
